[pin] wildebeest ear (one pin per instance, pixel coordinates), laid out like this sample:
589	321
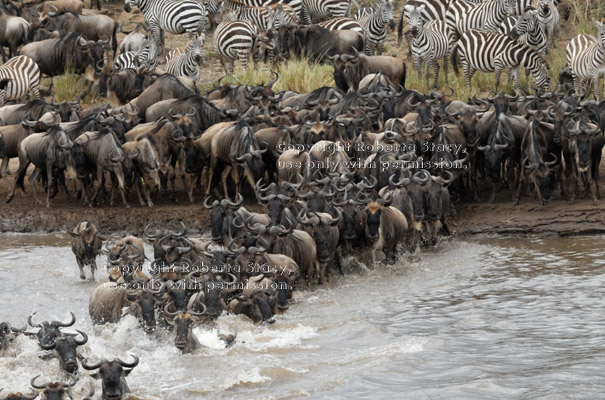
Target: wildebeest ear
96	375
127	371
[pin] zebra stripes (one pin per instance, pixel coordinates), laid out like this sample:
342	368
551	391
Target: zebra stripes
374	26
507	26
548	15
430	42
186	62
463	15
341	23
18	76
585	58
530	31
281	14
294	5
146	58
234	39
494	52
174	17
323	9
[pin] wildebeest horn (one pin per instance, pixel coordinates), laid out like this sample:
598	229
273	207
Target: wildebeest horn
84	338
175	136
29	321
182	231
128	365
33	383
421	177
199	314
66	324
148	233
52	13
88	366
550	163
170	314
210	207
192	113
177	116
271	83
245	157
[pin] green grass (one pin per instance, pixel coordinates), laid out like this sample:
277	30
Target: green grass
296	75
66	87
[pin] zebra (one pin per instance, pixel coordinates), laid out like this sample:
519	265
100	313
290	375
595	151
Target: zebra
586	59
145	59
463	15
507	26
434	10
19	75
261	18
374	26
548	15
341	23
430	42
174	17
323	9
530	31
493	52
187	62
281	14
294	7
233	39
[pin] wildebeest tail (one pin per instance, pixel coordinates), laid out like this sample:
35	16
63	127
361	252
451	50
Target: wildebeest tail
403	76
400	29
454	58
114	39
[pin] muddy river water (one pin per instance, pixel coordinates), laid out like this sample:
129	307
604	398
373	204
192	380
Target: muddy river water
482	318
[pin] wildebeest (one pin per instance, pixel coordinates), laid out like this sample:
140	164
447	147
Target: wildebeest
184	322
355	67
98	28
134	40
582	141
237	148
7	335
49	331
47	151
13	33
103	150
386	226
66	347
86	244
259	306
106	302
535	147
113	373
121	86
59	390
54	6
146	166
72	49
316	42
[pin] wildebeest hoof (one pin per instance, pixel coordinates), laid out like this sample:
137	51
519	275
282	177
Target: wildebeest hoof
595	202
82	277
269	321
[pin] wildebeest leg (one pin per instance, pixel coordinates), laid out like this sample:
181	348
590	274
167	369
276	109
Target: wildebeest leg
96	186
4	168
213	161
338	260
93	267
3	54
224	176
139	186
590	185
18	179
49	177
81	266
236	180
190	186
32	182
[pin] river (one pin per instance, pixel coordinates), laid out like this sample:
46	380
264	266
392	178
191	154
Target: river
484	318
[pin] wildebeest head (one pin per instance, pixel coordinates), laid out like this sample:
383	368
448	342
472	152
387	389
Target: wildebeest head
183	122
535	164
322	233
286	35
434	197
579	141
49	331
184	323
144	303
87	232
258	306
113	374
209	298
58	390
66	347
7	334
219	221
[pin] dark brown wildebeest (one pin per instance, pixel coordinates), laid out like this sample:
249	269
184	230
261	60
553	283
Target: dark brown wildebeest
113	373
86	244
61	390
184	322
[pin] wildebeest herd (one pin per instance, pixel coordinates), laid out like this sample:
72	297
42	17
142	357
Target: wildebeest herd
367	165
